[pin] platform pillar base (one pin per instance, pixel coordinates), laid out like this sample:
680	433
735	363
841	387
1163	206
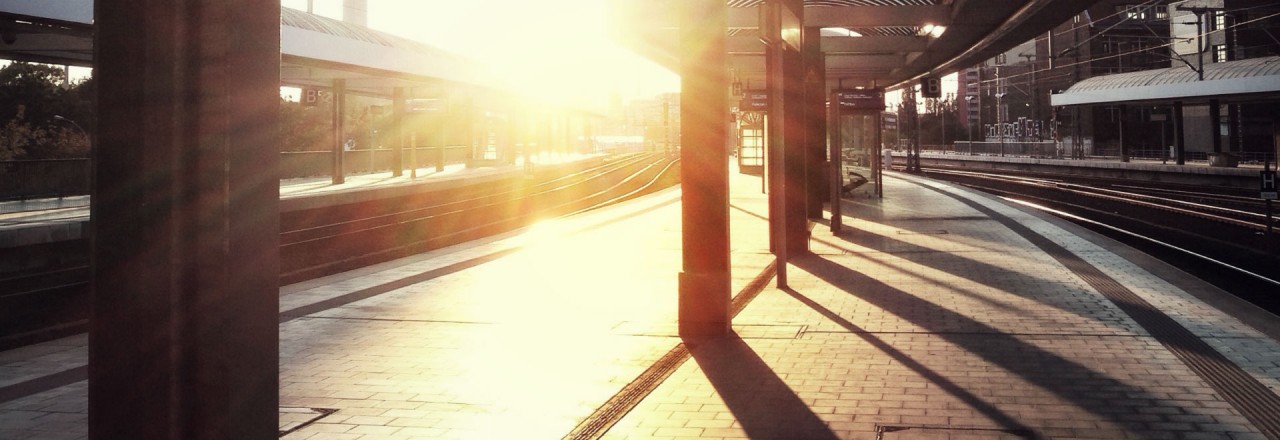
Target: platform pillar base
704	305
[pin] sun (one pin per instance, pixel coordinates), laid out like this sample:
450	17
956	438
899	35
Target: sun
557	50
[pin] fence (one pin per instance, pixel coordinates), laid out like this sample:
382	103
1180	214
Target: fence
1010	148
28	179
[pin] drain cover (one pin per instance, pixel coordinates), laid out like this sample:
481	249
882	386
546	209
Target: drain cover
295	418
884	432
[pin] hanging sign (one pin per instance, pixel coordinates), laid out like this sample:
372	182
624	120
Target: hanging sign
860	99
755	100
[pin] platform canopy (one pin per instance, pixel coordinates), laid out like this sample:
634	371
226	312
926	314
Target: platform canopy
1233	81
315	50
47	31
884	43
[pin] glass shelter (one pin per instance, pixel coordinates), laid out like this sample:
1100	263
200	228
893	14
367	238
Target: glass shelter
855	140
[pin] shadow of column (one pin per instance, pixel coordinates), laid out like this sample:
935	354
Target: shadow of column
761	402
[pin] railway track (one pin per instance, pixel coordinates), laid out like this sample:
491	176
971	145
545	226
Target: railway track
1220	237
39	304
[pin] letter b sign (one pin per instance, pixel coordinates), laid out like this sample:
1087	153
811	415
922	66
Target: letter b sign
931	87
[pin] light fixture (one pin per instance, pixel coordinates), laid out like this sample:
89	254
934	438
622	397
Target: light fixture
932	30
839	32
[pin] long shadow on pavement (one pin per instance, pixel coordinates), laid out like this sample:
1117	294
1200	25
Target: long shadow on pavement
1005	420
1084	388
1008	281
761	402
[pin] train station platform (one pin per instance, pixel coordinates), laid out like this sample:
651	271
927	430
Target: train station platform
1242	177
45	220
937	313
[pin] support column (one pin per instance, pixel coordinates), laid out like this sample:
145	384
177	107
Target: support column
835	179
1124	148
1215	124
184	324
815	100
704	173
339	129
1179	139
398	113
785	75
1235	142
447	112
795	148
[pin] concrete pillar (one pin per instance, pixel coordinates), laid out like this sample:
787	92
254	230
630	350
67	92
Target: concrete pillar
1235	142
184	326
834	179
1179	138
399	114
1124	147
448	111
704	172
785	77
1215	124
795	146
339	129
815	99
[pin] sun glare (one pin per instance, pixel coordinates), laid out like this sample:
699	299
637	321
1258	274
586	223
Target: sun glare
557	50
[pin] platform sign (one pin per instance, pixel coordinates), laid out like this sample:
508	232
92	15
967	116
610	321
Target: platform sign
427	105
931	87
1268	185
755	101
313	97
860	99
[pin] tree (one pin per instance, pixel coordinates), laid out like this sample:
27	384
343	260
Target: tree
30	96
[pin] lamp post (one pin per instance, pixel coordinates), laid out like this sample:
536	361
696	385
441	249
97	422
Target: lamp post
77	126
89	141
1000	119
968	126
1035	95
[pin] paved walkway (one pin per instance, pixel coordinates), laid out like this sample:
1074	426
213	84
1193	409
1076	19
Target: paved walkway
938	313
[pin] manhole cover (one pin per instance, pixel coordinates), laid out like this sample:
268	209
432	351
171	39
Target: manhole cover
294	418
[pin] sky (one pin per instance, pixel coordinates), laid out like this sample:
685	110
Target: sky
552	49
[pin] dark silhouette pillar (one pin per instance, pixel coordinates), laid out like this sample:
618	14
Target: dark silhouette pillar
704	170
834	178
815	102
339	129
786	126
183	339
1215	124
398	121
1179	139
1124	147
794	143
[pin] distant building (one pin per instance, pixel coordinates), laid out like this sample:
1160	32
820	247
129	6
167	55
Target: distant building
1134	76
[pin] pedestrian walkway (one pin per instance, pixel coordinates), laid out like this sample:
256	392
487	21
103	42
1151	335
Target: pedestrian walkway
937	313
941	314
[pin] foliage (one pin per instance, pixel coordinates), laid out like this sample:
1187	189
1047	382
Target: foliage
907	121
940	123
309	128
304	128
31	96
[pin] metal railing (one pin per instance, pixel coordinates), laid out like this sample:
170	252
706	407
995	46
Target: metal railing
44	178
